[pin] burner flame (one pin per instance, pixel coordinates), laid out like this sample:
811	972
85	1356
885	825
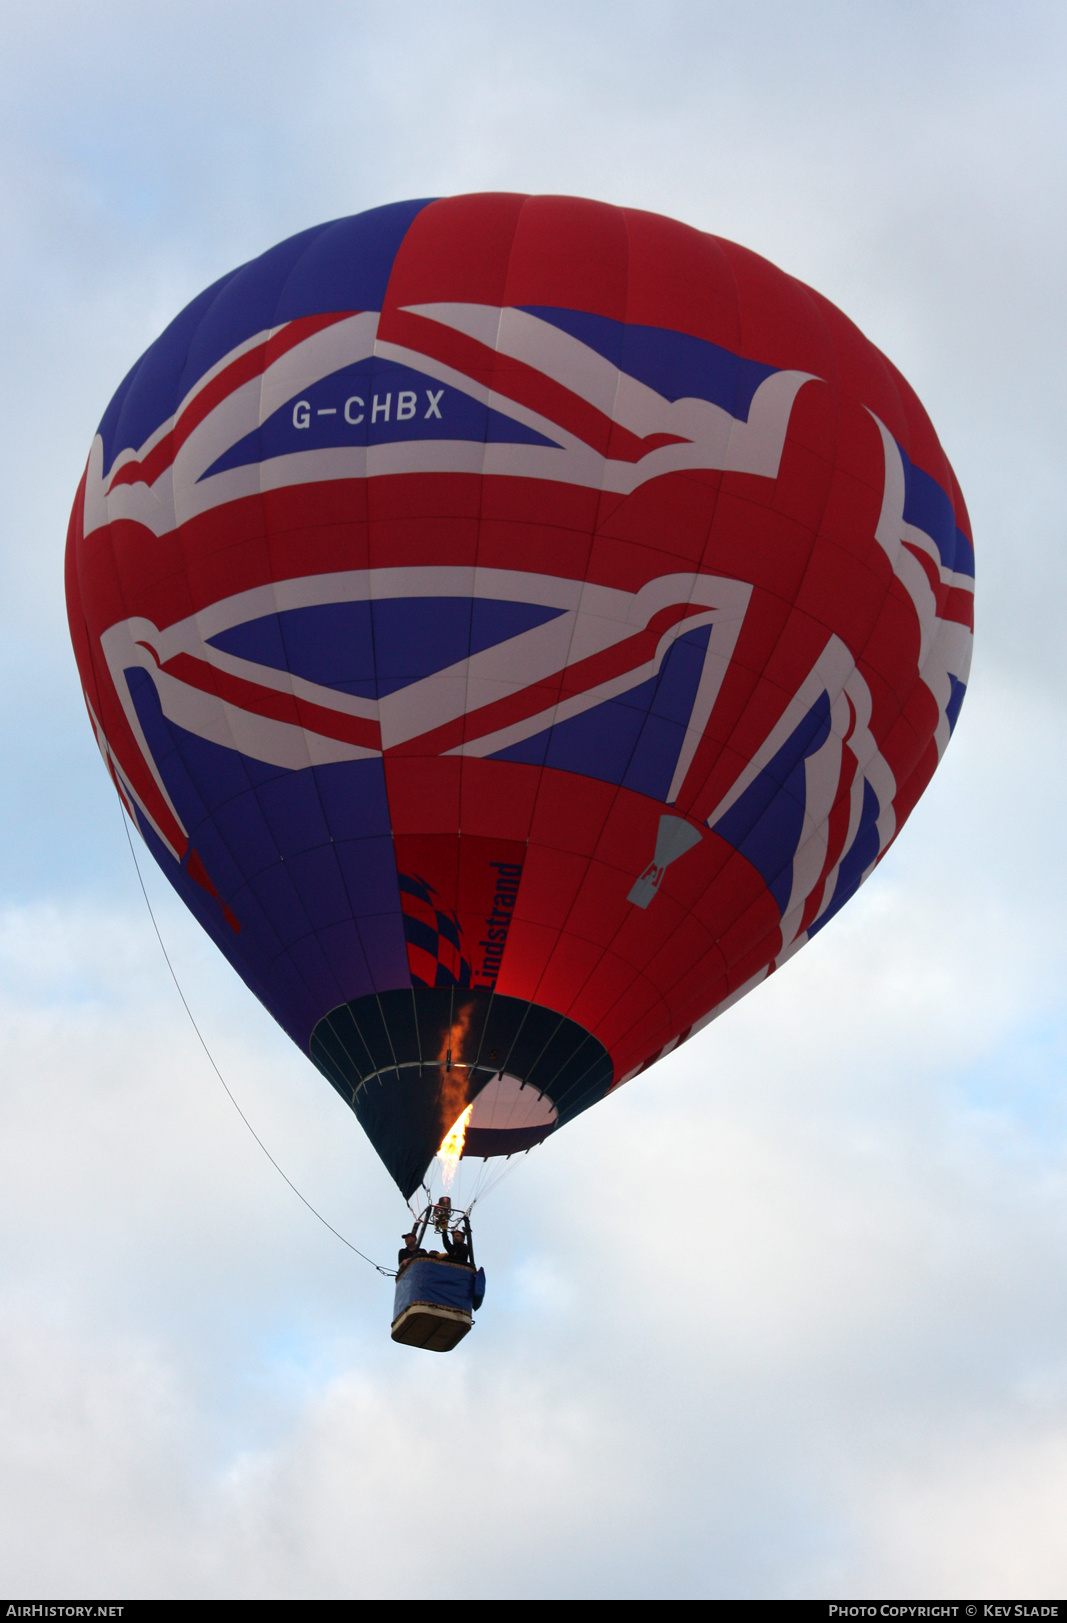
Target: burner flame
452	1147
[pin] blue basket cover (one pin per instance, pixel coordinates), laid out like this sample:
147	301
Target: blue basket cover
441	1284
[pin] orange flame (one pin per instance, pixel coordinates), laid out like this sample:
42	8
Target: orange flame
452	1043
452	1147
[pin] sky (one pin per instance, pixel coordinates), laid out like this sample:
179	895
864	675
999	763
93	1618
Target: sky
786	1317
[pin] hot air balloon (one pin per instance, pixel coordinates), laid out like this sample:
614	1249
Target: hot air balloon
515	625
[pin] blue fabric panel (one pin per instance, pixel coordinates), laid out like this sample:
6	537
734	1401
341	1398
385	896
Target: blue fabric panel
342	948
293	811
210	780
346	815
633	740
855	863
291	1002
258	845
964	557
952	709
161	739
765	822
151	389
370	648
348	264
207	914
278	897
369	873
479	1289
284	995
676	366
444	1284
261	772
316	970
382	935
261	641
344	265
656	753
260	942
317	877
375	382
929	508
244	831
246	303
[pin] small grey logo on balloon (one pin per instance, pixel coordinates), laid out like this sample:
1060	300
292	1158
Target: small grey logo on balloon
673	839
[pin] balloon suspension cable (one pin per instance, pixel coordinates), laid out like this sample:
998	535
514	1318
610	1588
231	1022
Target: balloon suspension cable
390	1273
485	1184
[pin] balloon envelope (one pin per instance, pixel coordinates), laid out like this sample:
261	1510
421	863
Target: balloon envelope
515	625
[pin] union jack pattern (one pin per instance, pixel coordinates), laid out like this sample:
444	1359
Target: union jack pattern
379	542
